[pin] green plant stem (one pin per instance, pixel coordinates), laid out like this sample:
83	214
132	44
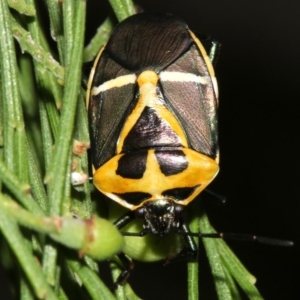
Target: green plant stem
46	83
130	294
60	158
100	38
38	53
47	137
37	187
245	280
232	285
49	262
193	267
68	21
211	247
34	221
1	136
10	92
59	161
29	264
22	7
129	4
122	8
25	290
56	26
19	189
30	106
91	281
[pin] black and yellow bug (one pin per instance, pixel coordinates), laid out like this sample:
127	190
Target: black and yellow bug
153	119
152	101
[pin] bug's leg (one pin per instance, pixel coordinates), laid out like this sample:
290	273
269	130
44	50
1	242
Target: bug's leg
190	251
124	220
128	266
127	263
214	51
212	47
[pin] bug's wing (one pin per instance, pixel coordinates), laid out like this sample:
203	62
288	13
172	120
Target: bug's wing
108	108
192	99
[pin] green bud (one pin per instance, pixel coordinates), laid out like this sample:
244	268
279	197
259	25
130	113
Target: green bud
95	237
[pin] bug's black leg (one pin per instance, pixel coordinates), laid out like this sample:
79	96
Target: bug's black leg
124	220
128	265
190	251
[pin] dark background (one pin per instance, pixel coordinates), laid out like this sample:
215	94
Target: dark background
258	75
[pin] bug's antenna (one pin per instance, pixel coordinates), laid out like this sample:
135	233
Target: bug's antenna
242	237
220	198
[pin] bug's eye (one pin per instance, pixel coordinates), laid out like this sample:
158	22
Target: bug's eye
134	198
180	193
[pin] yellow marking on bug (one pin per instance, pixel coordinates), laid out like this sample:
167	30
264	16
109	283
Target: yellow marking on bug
201	171
204	54
183	77
114	83
147	82
147	77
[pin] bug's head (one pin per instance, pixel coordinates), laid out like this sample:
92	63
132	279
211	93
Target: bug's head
161	216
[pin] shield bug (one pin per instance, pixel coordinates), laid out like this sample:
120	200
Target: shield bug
152	97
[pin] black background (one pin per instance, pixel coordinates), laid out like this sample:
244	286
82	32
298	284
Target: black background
258	75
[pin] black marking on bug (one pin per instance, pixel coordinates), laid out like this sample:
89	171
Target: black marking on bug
134	197
150	131
132	165
179	193
171	162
